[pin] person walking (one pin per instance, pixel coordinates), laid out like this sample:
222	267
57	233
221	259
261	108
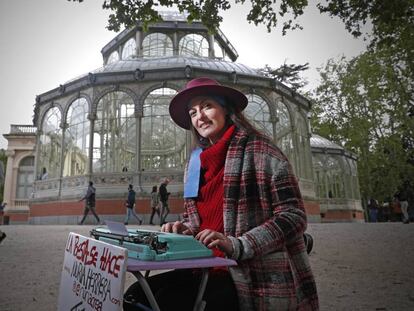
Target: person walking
403	199
89	203
242	200
130	204
155	201
164	194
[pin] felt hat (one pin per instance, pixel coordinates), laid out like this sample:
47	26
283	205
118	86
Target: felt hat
203	87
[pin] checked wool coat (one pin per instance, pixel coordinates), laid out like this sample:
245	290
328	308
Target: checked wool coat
264	217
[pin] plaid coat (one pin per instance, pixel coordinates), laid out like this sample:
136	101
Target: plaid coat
265	219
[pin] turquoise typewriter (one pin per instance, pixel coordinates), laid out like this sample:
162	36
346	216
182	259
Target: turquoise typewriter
153	245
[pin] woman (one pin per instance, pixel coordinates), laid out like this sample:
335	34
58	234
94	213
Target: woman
245	204
155	201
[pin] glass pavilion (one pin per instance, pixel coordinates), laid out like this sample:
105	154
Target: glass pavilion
112	126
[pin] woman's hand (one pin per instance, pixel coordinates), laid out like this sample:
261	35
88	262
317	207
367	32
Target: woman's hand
176	227
211	238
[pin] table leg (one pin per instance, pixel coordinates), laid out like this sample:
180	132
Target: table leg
200	304
147	290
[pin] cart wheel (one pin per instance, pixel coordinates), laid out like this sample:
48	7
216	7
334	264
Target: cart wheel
308	242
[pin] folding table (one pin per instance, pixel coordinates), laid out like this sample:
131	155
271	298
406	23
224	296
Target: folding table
136	266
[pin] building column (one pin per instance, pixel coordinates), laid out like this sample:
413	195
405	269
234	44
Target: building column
138	117
9	180
91	118
211	46
138	42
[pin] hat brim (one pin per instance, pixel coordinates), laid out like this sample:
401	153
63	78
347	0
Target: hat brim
179	104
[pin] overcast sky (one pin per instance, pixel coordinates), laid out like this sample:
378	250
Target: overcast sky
45	43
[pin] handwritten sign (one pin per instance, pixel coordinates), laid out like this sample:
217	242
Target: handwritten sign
93	275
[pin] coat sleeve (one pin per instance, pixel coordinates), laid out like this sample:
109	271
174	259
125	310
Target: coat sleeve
287	221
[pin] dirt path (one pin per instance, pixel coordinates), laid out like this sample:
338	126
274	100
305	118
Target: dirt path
356	266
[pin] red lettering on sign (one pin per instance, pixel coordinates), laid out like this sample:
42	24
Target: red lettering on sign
111	263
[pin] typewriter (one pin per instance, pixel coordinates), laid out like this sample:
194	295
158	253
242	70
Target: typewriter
153	245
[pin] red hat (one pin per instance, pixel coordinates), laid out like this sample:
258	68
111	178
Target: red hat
203	87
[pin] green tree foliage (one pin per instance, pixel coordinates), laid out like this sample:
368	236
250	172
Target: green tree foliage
127	12
289	74
366	105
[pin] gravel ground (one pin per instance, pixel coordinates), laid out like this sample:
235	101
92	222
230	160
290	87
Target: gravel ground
356	266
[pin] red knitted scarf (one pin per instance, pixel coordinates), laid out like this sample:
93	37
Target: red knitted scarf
210	196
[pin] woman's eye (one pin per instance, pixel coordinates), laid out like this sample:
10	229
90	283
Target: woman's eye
192	113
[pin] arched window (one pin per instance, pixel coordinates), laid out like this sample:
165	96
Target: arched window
114	139
50	146
163	142
157	45
113	58
257	111
284	135
193	45
76	147
354	183
320	175
129	49
25	178
304	159
335	177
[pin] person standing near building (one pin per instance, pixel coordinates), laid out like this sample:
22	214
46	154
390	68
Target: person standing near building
155	201
164	194
373	210
243	202
403	199
130	205
89	203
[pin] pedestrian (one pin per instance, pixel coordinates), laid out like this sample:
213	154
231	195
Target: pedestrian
130	205
403	199
373	210
242	201
2	236
164	194
155	204
89	203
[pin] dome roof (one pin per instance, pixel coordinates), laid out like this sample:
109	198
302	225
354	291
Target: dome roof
176	62
320	142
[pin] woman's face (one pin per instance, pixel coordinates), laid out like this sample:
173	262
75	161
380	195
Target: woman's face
208	118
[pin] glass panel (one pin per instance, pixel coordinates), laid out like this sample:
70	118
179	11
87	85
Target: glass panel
50	145
336	182
157	45
257	111
129	49
193	45
218	51
114	139
113	58
320	176
304	161
76	147
284	133
163	143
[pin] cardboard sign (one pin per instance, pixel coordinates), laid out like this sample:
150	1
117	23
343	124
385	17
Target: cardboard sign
93	275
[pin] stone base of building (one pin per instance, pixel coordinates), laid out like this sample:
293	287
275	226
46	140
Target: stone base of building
11	217
343	216
71	212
